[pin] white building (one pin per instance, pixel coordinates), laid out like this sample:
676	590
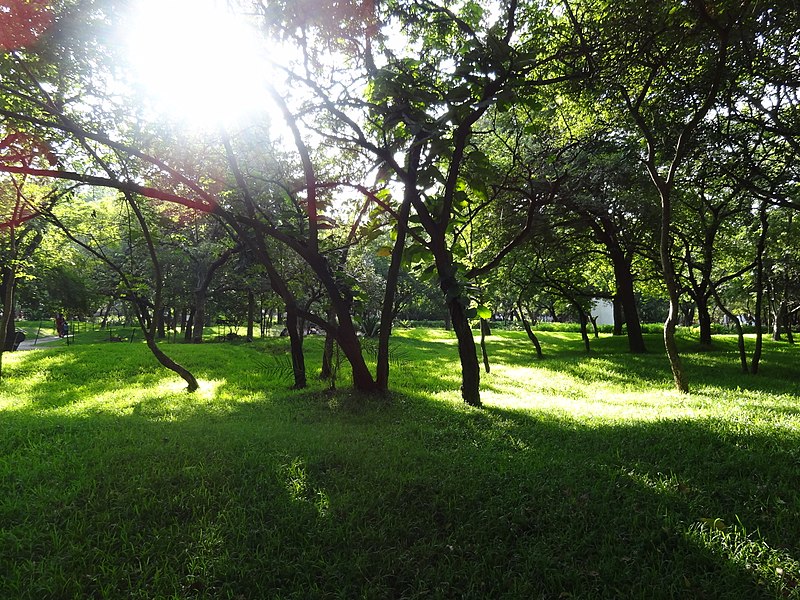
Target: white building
604	311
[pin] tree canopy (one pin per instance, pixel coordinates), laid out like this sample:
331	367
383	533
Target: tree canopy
516	155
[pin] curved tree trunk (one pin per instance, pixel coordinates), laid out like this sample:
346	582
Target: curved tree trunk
529	331
739	332
147	322
670	282
351	348
166	361
671	345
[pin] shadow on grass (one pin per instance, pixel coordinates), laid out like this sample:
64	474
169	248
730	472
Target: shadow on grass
327	495
610	361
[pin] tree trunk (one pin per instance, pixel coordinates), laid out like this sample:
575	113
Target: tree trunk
351	348
485	330
551	309
625	298
584	319
392	276
687	314
166	361
779	316
199	320
470	371
188	328
759	308
346	334
704	321
528	330
786	318
296	347
618	314
280	287
631	318
105	313
595	331
148	324
10	326
739	332
671	347
161	330
327	370
8	304
205	275
671	283
251	315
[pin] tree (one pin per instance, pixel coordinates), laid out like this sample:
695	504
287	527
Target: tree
418	121
711	213
607	193
666	94
87	135
20	199
145	294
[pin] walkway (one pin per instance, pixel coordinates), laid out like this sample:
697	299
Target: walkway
28	343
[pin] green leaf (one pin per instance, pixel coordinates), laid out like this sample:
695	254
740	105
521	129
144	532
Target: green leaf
460	200
384	251
483	312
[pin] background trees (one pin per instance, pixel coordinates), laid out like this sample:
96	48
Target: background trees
571	150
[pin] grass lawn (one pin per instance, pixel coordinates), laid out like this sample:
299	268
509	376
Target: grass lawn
582	477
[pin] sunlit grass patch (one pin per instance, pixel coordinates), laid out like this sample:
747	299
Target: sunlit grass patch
428	335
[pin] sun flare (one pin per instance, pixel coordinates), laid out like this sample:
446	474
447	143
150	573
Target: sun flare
195	62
